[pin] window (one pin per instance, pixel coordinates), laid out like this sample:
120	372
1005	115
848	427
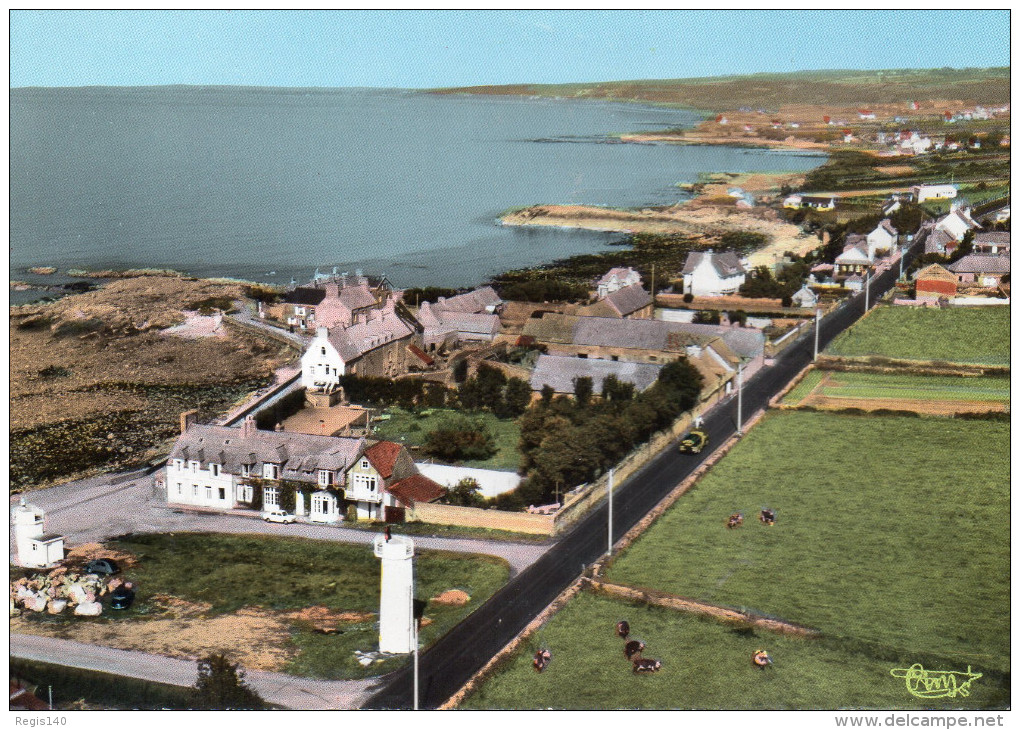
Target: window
245	470
271	471
323	350
223	494
270	497
194	490
178	464
299	310
195	466
208	492
325	477
583	355
364	463
246	493
616	358
215	469
180	489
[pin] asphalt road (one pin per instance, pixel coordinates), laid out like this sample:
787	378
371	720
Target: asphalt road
452	660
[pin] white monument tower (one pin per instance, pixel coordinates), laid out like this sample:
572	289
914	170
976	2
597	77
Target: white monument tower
396	601
35	548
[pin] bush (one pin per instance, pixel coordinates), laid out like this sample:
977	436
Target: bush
787	301
221	686
460	439
688	298
54	371
464	494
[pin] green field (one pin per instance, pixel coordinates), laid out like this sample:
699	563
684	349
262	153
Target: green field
890	530
413	428
281	574
892	538
875	386
706	665
964	335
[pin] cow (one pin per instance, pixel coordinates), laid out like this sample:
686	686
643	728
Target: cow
632	649
541	660
761	659
767	516
736	520
642	666
622	629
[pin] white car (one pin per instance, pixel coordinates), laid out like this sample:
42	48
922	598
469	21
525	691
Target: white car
278	515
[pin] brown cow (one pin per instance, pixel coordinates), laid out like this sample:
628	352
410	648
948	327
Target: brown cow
632	649
541	660
622	629
646	665
761	659
736	520
768	517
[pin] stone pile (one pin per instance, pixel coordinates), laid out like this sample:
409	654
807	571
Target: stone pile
60	589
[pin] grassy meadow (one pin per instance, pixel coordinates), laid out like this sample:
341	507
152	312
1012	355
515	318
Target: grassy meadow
706	665
964	335
876	386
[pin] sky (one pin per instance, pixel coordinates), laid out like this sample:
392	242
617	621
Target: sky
427	49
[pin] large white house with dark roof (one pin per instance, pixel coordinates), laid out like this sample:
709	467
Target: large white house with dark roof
616	278
708	274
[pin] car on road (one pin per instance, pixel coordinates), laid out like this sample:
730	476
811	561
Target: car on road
101	566
694	442
278	515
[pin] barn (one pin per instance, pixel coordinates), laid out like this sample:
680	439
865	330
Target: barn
935	281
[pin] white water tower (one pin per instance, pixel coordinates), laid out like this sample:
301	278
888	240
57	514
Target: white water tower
396	600
35	548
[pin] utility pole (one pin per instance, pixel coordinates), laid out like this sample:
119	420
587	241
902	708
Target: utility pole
903	252
740	397
818	321
867	289
653	291
609	551
416	622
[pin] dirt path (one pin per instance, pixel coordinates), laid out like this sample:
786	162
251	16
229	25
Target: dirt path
930	407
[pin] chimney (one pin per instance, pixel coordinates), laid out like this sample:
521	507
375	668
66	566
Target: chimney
248	428
188	419
321	333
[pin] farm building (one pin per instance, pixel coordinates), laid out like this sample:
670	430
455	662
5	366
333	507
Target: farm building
933	282
981	269
921	193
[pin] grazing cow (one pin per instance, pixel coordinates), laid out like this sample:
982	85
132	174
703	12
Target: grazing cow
633	649
761	659
767	517
622	629
736	520
541	660
646	665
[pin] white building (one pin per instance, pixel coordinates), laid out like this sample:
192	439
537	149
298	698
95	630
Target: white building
804	297
883	239
956	223
617	278
35	547
220	467
708	274
921	193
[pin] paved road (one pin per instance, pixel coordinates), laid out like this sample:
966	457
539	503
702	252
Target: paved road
451	661
294	693
94	510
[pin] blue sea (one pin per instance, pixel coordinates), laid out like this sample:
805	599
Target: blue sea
271	184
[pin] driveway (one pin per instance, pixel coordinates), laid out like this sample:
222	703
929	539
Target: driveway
293	693
94	510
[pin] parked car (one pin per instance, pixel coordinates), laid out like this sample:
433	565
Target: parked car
278	515
102	566
694	442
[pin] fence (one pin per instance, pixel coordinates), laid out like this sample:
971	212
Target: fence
448	514
263	331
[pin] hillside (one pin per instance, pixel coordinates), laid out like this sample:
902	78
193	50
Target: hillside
723	93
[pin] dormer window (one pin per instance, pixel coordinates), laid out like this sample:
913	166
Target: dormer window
271	471
195	466
325	477
179	464
214	469
245	470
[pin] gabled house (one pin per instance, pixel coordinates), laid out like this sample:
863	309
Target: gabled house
882	239
380	346
805	297
981	269
708	274
220	467
994	243
484	300
956	223
444	328
855	259
630	302
615	279
332	301
921	193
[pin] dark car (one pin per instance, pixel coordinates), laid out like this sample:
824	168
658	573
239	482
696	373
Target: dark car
694	442
121	598
101	566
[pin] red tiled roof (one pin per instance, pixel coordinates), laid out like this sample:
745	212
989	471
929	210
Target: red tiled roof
383	456
416	488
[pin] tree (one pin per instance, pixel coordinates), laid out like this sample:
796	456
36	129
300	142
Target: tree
460	371
465	494
490	382
517	396
547	394
616	390
583	388
460	438
221	686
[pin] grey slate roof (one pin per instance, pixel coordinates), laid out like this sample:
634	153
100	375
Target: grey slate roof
726	263
629	299
977	263
937	241
356	297
640	334
471	302
993	238
559	372
305	295
299	455
354	341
